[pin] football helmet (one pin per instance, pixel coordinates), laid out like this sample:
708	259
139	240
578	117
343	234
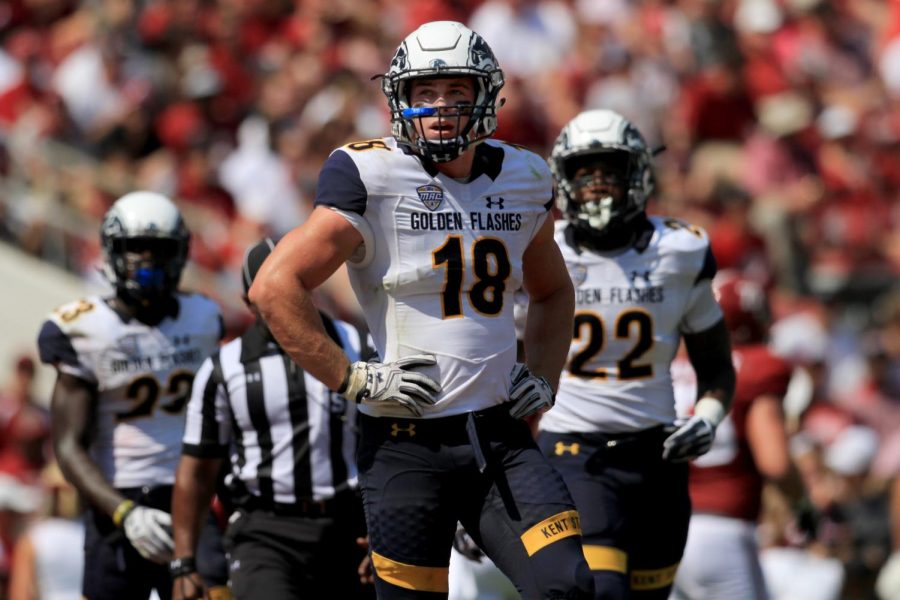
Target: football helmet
744	307
145	245
607	139
443	49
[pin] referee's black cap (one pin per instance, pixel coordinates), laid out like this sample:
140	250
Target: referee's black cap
253	260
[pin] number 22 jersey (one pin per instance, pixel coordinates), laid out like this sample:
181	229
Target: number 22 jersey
143	376
440	259
631	309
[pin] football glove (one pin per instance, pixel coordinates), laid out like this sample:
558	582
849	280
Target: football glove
392	383
693	437
150	532
528	393
466	546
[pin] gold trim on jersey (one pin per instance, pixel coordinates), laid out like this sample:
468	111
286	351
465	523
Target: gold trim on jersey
550	530
606	558
411	577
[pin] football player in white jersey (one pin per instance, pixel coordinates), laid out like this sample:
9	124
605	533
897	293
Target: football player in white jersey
124	370
641	284
439	226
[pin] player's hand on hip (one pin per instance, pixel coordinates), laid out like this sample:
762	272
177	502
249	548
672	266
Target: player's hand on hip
528	393
691	438
150	532
393	383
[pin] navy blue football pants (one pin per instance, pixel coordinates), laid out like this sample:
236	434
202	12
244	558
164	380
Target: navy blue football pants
420	476
634	507
113	569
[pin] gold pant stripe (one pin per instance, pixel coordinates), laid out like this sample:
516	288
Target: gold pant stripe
606	558
653	579
411	577
552	529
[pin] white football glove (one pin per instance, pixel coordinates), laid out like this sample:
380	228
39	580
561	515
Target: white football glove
528	392
150	532
694	437
393	383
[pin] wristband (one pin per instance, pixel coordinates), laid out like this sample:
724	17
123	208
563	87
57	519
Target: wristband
346	380
182	566
710	409
121	512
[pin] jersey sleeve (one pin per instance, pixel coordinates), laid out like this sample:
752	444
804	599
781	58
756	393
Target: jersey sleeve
702	311
340	185
207	428
55	348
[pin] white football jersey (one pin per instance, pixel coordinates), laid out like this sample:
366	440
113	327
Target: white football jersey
631	309
441	259
143	376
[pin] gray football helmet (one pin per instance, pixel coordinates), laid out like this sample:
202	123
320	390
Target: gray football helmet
145	245
443	48
601	137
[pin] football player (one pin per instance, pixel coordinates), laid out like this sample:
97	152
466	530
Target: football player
642	284
439	226
721	559
124	370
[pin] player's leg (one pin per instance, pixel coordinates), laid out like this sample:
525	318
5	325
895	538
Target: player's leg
211	562
528	524
113	569
601	491
659	528
407	493
721	560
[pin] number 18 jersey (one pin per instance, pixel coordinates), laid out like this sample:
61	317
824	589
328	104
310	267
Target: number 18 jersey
441	259
143	377
630	311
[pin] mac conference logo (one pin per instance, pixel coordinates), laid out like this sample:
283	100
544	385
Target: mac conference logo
578	273
430	195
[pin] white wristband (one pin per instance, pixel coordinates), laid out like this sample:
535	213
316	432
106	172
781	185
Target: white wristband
710	409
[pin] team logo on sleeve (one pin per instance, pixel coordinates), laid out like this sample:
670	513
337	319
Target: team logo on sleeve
430	195
578	273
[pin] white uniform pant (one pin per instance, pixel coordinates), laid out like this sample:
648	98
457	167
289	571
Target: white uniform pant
721	560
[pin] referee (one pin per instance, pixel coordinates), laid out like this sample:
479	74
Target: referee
293	478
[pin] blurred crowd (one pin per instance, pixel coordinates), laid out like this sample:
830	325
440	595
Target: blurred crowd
777	124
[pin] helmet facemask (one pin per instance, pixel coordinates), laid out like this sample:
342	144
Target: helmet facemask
603	176
438	50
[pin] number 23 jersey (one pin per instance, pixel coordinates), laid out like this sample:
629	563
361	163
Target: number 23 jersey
143	376
631	309
441	259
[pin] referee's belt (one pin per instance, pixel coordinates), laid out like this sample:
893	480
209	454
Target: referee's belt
311	509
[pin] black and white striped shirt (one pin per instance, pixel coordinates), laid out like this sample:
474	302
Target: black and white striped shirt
288	436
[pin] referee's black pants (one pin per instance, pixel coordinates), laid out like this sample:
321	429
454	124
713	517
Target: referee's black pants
278	556
420	476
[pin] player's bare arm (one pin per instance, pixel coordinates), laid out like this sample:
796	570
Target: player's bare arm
710	355
302	261
548	330
73	407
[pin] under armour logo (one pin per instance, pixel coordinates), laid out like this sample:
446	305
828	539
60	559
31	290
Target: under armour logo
562	448
397	430
645	275
254	377
491	202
